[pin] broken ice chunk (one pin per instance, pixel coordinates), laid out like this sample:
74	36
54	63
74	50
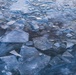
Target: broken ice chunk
15	53
42	43
57	44
69	44
11	62
69	35
31	61
67	57
16	36
66	60
4	26
27	52
35	25
67	54
34	66
10	22
55	61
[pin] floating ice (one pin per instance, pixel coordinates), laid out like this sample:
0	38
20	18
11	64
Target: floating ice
16	36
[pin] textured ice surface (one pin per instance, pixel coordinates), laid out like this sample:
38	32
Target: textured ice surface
42	43
38	37
16	36
11	62
32	61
